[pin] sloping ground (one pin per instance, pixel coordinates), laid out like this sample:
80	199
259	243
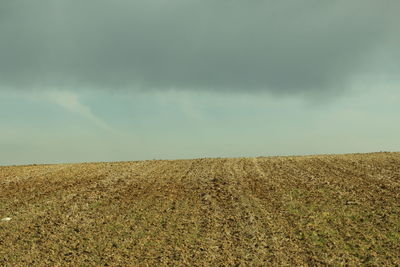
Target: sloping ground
342	209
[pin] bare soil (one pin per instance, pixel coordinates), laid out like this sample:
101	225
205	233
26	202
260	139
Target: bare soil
310	210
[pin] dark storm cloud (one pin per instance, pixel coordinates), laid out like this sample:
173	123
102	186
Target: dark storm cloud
302	46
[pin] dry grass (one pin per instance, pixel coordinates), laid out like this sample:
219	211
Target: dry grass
339	210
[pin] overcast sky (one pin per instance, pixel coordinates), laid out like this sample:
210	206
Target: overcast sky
100	80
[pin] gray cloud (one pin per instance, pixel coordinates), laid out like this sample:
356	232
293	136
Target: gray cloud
284	47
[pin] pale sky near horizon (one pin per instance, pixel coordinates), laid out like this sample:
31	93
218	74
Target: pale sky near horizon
134	80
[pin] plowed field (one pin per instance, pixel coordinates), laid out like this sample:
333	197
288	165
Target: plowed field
330	209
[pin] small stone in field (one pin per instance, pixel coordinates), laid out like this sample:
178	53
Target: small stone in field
6	219
207	197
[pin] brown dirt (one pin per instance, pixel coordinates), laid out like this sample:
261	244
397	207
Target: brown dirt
312	210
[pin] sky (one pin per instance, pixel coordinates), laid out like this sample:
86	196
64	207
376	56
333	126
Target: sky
120	80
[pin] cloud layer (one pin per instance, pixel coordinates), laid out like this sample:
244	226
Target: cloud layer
283	47
70	101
